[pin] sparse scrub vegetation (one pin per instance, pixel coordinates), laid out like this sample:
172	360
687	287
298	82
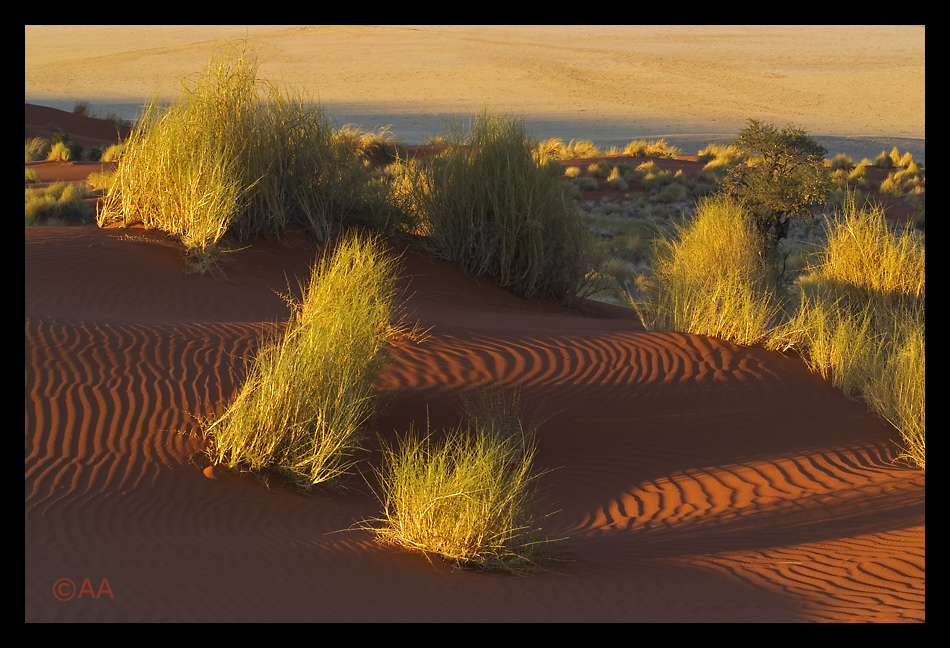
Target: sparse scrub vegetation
856	314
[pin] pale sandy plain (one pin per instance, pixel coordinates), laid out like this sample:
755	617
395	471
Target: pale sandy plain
693	479
610	84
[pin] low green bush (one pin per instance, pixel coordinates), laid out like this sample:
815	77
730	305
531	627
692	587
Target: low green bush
586	184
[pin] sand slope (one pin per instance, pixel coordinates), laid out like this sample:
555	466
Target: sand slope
695	480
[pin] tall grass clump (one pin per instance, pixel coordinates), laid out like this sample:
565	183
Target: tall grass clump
861	319
181	169
490	205
308	393
469	497
710	278
234	155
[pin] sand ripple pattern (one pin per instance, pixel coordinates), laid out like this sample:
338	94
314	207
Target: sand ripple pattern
113	402
694	480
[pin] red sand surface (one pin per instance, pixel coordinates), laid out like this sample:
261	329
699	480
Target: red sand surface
694	480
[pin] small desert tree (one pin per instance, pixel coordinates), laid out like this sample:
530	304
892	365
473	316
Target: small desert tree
780	178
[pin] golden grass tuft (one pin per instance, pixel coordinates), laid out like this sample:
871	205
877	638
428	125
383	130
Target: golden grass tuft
710	278
300	412
469	497
860	321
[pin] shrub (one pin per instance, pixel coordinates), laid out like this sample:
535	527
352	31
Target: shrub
225	159
488	204
550	149
470	498
884	161
32	176
719	156
673	192
619	184
711	279
842	161
859	175
113	153
861	319
75	150
308	393
625	171
59	151
59	201
579	149
600	169
37	148
657	148
572	171
81	108
99	180
586	184
655	179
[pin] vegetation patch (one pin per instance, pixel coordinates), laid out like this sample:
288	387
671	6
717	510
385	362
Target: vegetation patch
300	411
471	496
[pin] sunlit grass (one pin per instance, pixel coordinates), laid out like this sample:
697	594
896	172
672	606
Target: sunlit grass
860	321
467	495
710	279
301	409
490	205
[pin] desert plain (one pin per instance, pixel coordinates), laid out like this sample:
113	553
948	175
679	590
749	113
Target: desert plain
693	480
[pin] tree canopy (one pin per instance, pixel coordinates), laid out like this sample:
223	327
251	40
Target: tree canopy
780	178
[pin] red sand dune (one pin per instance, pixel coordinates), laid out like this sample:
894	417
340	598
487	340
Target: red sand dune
694	480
